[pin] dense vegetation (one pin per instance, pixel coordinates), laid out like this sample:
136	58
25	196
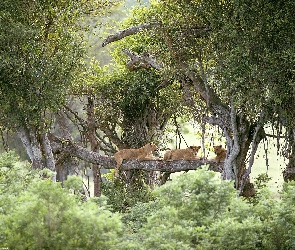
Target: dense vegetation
196	210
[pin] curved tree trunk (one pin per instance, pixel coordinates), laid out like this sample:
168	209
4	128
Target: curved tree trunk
32	146
238	131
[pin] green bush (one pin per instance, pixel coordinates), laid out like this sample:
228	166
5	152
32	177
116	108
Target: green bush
43	215
198	210
122	196
182	213
279	220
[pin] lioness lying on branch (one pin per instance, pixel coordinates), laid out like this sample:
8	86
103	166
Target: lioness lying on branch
141	154
182	154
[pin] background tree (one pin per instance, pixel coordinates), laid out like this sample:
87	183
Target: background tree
50	56
41	53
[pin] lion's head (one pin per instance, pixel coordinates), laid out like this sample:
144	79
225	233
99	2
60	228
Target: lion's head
218	149
151	146
195	148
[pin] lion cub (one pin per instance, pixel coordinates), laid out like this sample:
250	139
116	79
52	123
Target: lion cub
220	154
182	154
141	154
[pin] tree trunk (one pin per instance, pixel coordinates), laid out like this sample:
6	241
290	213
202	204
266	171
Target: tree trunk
34	149
237	148
289	171
65	163
49	159
32	146
94	146
237	131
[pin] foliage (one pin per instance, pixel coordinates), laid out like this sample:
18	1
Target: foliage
73	183
43	215
136	117
15	177
184	209
8	160
136	216
256	49
42	51
281	222
198	210
122	196
260	187
243	49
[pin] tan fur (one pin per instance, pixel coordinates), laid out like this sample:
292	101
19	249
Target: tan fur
220	153
141	154
182	154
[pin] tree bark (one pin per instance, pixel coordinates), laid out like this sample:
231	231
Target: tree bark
140	62
94	146
127	32
49	158
32	146
65	163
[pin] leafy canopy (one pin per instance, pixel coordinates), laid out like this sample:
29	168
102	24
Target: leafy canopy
42	50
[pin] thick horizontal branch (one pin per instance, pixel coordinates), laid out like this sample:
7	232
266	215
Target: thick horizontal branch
108	162
60	145
127	32
170	166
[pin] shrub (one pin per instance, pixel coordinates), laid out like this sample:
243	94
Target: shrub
196	210
43	215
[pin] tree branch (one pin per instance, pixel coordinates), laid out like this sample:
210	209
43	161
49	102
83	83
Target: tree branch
137	62
170	166
234	148
108	162
127	32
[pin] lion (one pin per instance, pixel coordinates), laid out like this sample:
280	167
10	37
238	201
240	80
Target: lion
182	154
220	153
141	154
